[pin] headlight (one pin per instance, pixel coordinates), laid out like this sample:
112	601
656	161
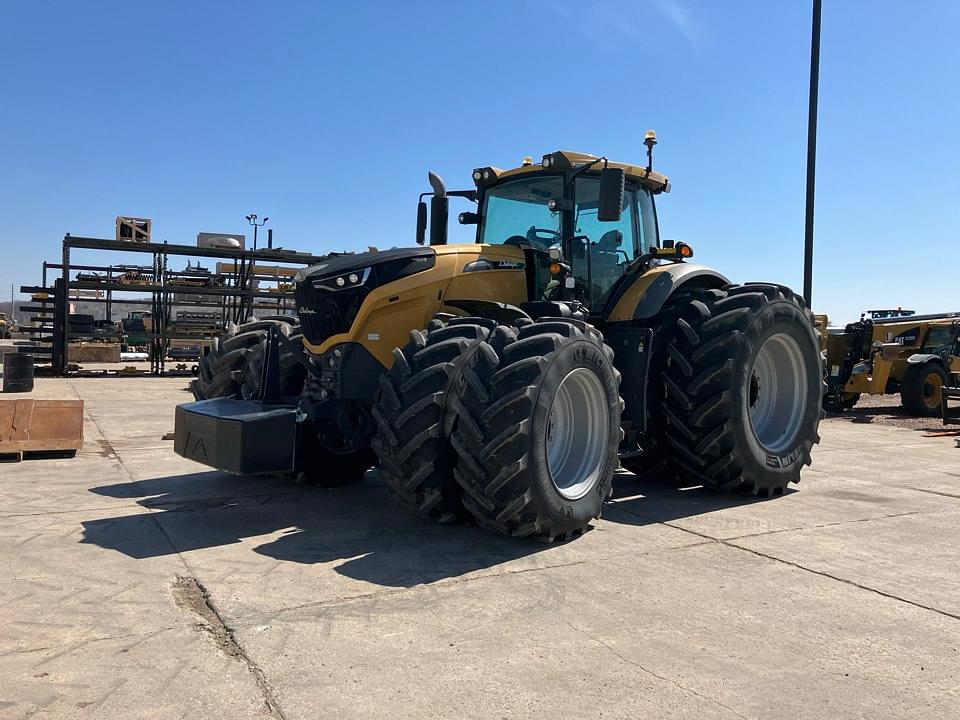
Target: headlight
355	278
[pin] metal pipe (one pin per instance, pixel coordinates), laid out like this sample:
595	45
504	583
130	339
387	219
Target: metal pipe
811	154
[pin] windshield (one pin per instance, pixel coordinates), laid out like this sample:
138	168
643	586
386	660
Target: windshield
599	253
516	212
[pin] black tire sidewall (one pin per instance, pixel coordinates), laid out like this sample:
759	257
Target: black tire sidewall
914	381
581	353
775	469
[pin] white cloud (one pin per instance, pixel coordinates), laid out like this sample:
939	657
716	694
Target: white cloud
683	20
601	20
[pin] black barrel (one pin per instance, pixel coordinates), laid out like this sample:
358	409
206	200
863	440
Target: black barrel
17	372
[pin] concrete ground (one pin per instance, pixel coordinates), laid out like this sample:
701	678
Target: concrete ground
137	584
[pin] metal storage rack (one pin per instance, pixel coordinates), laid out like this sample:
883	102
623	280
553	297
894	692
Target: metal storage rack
160	290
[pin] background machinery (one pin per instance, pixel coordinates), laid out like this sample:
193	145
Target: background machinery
7	326
506	379
887	352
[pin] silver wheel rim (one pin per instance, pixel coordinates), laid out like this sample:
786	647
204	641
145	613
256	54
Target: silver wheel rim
778	391
577	434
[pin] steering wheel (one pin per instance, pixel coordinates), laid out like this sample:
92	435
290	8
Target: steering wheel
515	240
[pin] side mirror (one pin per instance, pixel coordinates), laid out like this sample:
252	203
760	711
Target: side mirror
468	218
610	203
439	209
421	222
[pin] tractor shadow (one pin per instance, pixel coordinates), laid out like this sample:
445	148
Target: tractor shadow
357	529
638	500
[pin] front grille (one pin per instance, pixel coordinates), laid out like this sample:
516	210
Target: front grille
327	312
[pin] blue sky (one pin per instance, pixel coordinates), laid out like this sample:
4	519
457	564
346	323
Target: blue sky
327	116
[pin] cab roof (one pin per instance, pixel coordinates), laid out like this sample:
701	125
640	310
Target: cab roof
568	159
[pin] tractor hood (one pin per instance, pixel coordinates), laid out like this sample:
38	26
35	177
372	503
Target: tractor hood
329	294
389	264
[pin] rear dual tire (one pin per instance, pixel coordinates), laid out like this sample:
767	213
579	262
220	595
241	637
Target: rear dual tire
742	386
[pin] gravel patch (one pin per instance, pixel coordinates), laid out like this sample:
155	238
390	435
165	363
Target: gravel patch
886	410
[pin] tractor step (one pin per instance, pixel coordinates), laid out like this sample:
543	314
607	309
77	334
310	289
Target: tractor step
243	437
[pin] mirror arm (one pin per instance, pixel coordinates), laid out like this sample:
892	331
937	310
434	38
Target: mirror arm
583	168
468	194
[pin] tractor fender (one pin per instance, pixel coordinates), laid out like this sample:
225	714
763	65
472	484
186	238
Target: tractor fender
921	358
646	295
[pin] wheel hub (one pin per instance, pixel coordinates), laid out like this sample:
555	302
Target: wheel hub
577	434
931	390
778	392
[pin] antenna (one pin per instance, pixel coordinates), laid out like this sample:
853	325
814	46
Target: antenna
649	139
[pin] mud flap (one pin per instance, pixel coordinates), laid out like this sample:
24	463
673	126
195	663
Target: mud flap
243	437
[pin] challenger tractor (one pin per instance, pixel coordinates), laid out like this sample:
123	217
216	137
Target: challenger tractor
504	380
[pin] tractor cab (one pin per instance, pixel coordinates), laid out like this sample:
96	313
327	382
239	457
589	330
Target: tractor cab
586	226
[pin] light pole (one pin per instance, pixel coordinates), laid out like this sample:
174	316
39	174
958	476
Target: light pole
252	219
811	154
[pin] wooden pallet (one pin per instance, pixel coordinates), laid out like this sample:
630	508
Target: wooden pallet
40	426
15	457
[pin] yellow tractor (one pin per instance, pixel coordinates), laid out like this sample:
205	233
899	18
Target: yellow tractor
892	351
506	379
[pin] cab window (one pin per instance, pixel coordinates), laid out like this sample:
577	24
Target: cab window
940	339
611	246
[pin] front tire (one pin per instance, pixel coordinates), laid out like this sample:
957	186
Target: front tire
744	380
538	431
413	417
922	388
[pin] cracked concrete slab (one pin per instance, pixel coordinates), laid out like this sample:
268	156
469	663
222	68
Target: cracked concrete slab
134	583
732	635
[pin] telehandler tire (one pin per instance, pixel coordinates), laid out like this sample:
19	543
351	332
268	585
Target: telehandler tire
538	430
922	388
414	418
744	385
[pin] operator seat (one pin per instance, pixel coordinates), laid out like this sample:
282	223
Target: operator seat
607	260
610	241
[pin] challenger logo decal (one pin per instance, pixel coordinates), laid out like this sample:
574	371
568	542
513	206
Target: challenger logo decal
199	450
